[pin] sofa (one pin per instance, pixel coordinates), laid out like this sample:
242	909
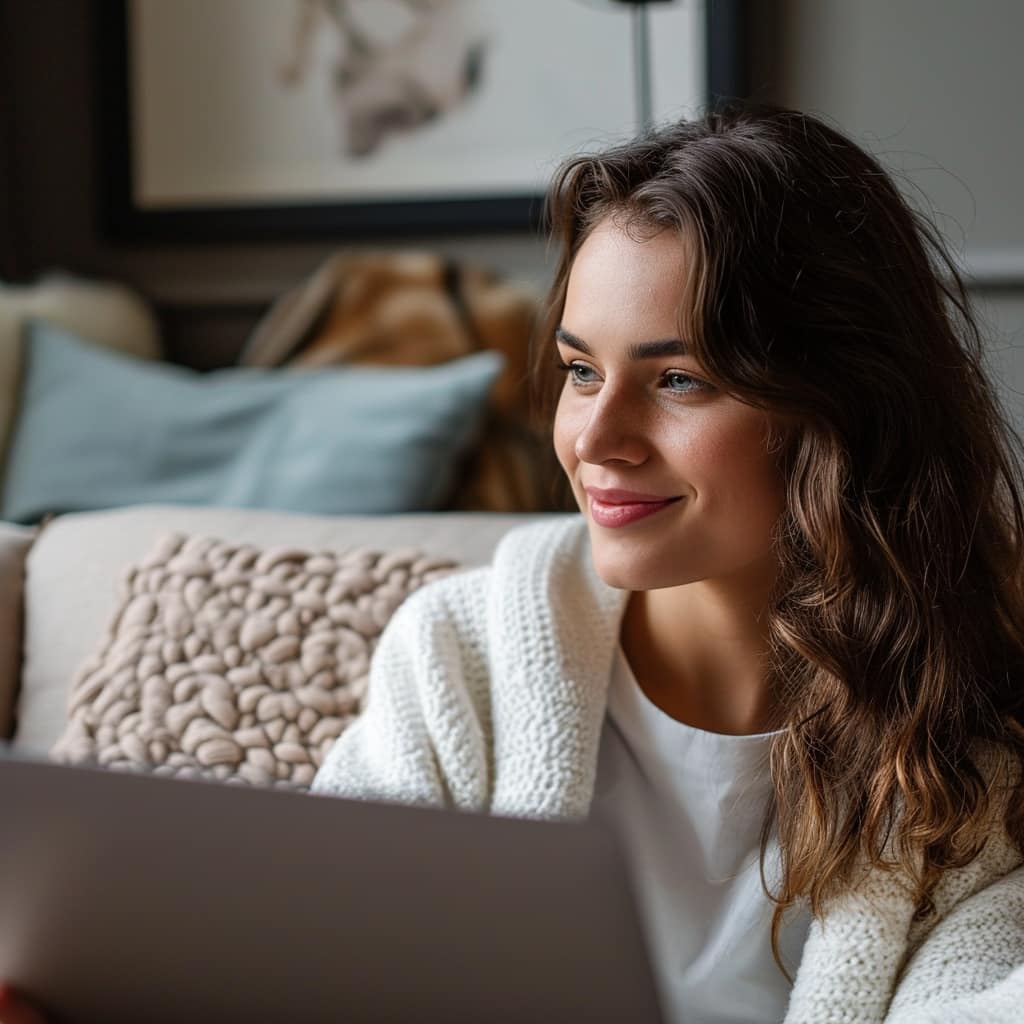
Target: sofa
155	614
66	604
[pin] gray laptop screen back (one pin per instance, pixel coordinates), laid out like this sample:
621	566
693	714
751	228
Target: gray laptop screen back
127	898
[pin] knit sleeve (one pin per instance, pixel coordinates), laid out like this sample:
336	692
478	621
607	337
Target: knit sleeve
971	967
420	738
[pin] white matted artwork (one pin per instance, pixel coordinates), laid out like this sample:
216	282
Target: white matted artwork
286	102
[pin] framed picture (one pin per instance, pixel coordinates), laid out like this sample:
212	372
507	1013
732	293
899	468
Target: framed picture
261	119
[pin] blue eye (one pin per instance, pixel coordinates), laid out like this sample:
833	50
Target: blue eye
582	374
676	381
675	375
577	372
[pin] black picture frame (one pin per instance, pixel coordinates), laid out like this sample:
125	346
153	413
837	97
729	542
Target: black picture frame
120	219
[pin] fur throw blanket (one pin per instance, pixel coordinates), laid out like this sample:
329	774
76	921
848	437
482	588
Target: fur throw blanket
418	309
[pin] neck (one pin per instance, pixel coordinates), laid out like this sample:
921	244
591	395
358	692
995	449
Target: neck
700	654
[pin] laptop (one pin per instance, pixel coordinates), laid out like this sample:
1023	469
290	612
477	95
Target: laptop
131	897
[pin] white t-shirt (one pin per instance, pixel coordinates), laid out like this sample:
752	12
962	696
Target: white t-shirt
689	806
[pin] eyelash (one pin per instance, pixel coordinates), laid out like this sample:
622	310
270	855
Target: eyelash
568	368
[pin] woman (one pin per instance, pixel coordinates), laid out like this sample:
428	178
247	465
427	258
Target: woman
781	649
785	636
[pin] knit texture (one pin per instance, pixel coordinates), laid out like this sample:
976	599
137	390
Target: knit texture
487	692
436	730
234	662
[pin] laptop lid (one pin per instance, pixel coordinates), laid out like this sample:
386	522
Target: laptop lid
128	897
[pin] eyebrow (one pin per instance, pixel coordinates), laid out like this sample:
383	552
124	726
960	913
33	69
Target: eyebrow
638	350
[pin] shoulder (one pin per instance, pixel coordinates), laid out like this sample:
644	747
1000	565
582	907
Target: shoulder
451	591
540	584
550	562
524	556
971	964
542	541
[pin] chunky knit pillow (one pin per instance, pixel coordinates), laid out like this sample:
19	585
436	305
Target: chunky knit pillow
241	664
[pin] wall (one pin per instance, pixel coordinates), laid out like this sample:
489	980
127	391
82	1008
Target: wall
934	87
208	296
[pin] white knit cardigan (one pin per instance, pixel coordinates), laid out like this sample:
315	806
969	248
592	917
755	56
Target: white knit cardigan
487	693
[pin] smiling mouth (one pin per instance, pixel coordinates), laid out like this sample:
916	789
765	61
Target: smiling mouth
616	514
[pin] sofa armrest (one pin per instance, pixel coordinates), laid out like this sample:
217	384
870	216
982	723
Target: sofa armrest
14	544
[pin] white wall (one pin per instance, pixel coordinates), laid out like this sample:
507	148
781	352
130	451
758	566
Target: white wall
936	89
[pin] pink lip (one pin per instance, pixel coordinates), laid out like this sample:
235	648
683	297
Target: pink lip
617	496
612	514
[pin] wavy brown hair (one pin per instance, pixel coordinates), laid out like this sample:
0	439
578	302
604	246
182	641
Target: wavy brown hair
897	622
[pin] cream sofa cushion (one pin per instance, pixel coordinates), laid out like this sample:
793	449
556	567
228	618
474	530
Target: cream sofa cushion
102	312
76	567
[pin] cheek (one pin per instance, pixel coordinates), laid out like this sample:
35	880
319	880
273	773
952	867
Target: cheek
753	483
564	434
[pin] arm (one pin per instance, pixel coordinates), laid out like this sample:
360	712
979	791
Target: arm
419	738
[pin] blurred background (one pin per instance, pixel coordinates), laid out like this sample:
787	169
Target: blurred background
933	87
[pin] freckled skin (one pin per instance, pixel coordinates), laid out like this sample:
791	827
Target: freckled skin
627	430
700	570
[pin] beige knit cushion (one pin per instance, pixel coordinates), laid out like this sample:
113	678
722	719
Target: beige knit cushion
241	664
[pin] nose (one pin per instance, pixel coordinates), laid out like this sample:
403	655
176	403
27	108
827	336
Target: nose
613	431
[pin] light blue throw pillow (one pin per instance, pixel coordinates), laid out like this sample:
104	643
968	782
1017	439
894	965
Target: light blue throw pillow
96	429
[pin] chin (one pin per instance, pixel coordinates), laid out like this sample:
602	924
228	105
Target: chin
625	571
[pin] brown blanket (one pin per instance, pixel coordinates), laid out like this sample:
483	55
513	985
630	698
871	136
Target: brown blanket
417	309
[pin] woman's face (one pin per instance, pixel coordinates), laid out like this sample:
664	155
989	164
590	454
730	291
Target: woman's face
671	473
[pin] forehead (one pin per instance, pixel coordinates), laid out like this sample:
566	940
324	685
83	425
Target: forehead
622	281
